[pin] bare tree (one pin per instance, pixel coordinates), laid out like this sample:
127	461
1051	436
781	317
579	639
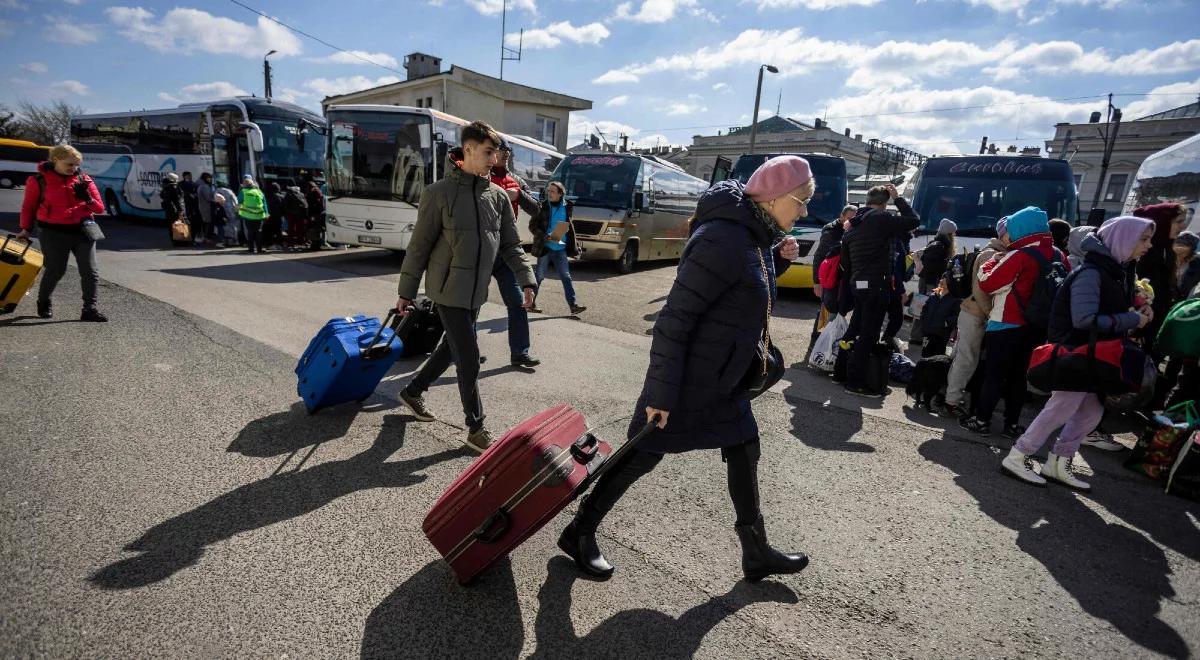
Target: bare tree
10	126
49	124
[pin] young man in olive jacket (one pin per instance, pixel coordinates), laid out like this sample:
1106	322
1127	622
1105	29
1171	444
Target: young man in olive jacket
463	222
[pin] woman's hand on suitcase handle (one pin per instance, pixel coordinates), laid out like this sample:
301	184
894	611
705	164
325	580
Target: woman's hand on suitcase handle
662	416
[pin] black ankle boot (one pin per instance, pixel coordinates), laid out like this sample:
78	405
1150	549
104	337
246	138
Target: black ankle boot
581	546
92	315
45	310
759	559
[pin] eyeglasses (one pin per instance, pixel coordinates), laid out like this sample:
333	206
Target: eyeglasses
801	202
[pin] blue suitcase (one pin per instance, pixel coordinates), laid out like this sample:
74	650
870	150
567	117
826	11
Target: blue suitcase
346	361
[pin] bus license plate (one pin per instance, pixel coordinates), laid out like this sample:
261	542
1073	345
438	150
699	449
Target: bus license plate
370	240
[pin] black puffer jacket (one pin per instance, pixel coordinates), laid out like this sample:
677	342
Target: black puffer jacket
172	201
829	245
868	249
706	335
934	260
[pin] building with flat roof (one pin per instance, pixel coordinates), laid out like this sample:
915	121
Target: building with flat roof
1083	146
509	107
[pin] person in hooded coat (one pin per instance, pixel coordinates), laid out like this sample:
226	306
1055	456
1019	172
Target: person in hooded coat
1100	292
1158	264
705	340
172	200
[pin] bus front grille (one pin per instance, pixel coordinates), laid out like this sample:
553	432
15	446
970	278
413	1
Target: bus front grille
588	227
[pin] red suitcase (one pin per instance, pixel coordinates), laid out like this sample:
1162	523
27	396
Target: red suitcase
517	486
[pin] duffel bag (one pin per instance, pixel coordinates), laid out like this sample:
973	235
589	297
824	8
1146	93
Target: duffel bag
1179	335
1160	443
1109	367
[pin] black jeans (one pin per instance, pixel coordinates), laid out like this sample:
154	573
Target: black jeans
57	247
870	306
460	345
741	463
253	234
1007	354
895	314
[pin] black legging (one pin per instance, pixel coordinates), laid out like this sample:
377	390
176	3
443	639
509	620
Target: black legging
1006	361
741	463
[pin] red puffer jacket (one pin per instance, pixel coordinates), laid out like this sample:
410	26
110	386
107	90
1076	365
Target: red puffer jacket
58	204
1014	270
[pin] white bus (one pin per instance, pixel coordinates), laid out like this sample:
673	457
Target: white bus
128	152
1170	175
381	157
19	160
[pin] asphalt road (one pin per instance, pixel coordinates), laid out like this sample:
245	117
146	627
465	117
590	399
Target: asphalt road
164	493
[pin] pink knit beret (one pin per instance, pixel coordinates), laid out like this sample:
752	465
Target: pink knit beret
777	177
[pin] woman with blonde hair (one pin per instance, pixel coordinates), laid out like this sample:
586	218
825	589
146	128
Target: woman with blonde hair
706	348
61	201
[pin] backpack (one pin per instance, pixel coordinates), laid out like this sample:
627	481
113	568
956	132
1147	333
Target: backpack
294	202
960	274
1051	276
1179	335
828	274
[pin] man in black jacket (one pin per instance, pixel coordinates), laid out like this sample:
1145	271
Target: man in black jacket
830	244
869	256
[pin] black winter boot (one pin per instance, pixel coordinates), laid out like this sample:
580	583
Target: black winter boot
45	310
759	559
581	546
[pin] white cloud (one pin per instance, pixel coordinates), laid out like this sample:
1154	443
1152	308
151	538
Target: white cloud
680	108
338	86
1003	6
67	31
652	140
1165	97
72	87
581	126
357	57
617	101
814	5
192	30
552	35
292	95
203	92
36	68
493	7
614	77
1059	57
653	11
721	87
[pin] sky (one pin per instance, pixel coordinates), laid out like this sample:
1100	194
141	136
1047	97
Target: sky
931	75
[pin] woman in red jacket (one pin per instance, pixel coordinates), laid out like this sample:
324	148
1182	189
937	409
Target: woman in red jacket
59	198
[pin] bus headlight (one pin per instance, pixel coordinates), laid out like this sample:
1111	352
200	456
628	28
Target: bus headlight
614	231
331	219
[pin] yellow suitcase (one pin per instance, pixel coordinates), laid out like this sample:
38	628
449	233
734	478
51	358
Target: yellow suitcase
19	266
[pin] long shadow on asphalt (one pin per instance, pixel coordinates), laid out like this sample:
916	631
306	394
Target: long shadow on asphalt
293	430
175	544
1113	572
264	271
431	616
811	423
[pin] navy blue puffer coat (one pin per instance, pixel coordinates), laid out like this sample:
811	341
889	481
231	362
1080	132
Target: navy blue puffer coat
706	334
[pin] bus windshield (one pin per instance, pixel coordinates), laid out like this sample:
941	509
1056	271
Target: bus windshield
381	155
1171	175
830	175
976	192
282	157
606	181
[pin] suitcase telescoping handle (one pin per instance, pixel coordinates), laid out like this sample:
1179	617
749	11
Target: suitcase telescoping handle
376	350
615	457
16	260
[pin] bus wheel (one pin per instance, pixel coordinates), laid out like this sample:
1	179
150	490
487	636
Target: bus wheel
111	204
628	259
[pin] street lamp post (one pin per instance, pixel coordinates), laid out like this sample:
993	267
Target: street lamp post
267	75
757	98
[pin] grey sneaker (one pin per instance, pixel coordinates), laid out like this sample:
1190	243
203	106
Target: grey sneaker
479	440
417	405
1102	440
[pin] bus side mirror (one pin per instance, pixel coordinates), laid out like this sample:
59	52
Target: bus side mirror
255	134
639	201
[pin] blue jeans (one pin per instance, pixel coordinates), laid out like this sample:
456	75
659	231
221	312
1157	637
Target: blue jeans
514	299
559	259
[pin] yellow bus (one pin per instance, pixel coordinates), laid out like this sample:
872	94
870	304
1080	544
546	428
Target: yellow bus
18	160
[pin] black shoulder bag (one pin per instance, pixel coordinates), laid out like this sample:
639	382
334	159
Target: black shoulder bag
767	367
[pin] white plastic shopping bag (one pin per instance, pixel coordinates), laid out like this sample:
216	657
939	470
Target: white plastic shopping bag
824	352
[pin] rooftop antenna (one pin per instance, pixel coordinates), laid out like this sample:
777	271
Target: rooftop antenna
508	54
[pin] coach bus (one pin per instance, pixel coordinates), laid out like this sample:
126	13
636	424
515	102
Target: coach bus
127	153
832	181
976	191
629	208
381	157
1170	175
18	160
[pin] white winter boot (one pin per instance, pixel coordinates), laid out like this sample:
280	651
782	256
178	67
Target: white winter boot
1058	468
1019	466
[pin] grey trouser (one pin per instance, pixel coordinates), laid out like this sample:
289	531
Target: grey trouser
966	355
57	247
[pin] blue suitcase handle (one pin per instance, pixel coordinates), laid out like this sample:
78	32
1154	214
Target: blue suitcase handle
376	350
